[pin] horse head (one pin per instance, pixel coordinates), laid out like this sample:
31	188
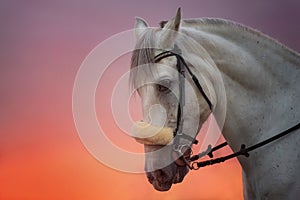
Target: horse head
157	81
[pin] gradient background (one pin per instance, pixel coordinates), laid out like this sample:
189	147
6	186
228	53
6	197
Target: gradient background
42	47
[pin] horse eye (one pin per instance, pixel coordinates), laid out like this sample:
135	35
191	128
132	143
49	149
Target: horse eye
164	86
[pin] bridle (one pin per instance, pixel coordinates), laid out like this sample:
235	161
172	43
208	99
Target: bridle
184	150
181	65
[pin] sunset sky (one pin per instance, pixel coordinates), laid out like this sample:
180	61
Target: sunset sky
43	44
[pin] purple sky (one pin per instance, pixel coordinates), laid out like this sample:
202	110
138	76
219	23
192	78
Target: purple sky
43	41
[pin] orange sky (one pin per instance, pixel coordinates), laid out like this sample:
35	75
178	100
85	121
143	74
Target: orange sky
42	47
41	168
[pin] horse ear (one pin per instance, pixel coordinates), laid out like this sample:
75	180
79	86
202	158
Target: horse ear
140	26
169	31
174	23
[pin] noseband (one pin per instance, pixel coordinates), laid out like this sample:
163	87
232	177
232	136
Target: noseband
183	150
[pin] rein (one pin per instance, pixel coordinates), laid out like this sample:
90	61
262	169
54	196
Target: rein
243	151
185	150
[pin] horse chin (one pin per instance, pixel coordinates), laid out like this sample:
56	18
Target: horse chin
162	187
166	185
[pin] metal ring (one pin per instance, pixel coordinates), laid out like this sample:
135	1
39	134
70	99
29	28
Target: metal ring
193	166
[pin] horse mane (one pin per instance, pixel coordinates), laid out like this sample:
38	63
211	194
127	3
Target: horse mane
162	24
214	24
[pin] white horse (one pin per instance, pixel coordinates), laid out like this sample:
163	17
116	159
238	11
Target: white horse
261	79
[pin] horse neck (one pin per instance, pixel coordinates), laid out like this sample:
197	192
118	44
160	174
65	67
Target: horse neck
260	78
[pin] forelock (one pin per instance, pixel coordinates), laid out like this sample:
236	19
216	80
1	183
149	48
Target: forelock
142	58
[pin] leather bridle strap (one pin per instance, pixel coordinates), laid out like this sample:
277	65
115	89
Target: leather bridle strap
177	53
181	65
